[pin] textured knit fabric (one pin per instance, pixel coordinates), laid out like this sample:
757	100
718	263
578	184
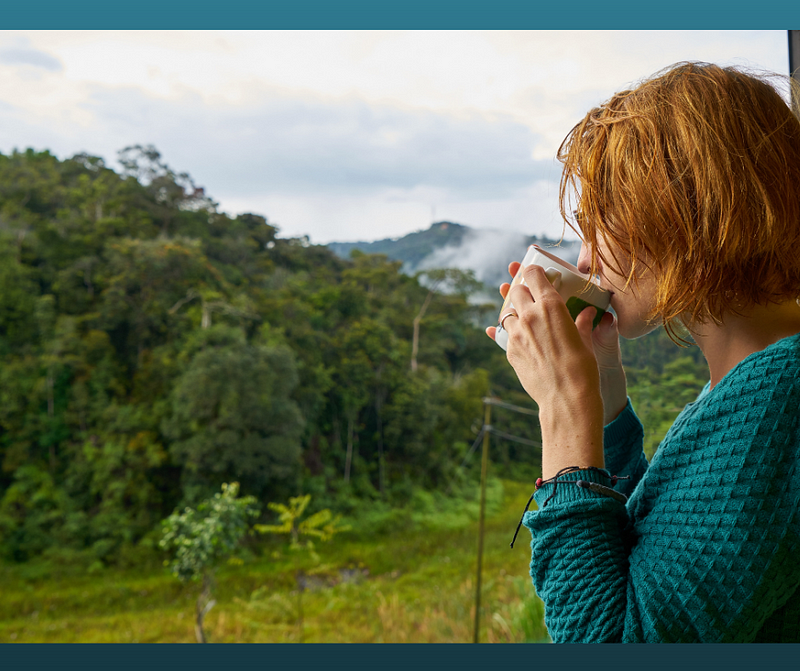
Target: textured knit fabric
708	546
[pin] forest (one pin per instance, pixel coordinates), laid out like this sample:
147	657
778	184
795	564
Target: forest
153	348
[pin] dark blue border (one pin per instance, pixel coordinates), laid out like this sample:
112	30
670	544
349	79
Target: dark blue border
388	657
402	15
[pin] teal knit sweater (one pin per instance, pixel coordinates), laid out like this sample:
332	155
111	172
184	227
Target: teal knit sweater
708	546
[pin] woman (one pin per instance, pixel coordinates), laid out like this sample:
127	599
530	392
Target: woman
687	195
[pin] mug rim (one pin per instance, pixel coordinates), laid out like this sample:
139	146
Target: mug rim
564	263
592	292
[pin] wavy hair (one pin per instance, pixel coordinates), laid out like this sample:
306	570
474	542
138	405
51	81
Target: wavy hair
695	175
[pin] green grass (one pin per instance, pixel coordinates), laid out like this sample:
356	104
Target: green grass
399	576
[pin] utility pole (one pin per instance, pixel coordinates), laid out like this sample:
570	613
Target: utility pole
488	402
487	429
794	68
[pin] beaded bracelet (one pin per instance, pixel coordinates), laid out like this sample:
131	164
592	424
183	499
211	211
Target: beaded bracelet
583	484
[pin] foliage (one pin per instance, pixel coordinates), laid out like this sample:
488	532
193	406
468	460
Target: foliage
152	348
414	585
32	513
668	379
232	415
322	525
201	538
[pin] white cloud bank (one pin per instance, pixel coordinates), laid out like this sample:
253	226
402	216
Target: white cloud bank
343	135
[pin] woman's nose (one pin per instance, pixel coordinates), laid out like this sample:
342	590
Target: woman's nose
584	259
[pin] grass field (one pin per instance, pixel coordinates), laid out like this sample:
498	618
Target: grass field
410	580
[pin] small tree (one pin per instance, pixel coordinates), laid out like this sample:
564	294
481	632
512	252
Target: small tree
201	539
321	525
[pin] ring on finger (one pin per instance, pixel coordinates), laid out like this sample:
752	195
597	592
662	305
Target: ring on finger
508	314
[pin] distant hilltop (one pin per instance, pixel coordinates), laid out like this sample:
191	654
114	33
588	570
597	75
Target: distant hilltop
447	244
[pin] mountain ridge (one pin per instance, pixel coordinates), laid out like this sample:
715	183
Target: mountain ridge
447	244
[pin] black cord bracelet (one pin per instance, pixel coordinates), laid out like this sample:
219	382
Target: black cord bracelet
602	489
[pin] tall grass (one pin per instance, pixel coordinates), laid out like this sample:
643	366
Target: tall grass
399	576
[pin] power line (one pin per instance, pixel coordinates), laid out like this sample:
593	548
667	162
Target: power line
501	434
509	406
474	446
516	439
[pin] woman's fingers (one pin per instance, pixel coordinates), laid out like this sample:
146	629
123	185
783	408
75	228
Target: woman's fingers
537	289
606	335
551	355
513	268
490	331
521	298
584	324
607	328
605	340
540	286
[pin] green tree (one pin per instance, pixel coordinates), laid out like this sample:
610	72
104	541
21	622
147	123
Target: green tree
322	526
143	279
232	415
659	397
33	514
200	539
452	280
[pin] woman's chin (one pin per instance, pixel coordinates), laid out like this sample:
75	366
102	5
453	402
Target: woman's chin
633	329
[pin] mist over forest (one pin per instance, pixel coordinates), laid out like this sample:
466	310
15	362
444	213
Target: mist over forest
485	252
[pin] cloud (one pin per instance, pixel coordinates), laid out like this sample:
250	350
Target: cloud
335	169
393	213
488	252
344	135
32	57
303	144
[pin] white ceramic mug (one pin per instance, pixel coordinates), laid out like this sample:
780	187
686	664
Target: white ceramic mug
568	281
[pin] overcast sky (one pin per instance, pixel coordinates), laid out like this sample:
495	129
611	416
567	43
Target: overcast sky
344	135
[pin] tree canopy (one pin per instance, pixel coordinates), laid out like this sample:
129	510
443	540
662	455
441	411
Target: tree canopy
153	348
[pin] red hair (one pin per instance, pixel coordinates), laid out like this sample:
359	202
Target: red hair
695	175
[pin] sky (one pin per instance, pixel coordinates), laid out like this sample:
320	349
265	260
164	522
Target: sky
344	135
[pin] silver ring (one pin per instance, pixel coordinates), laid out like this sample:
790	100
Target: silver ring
506	316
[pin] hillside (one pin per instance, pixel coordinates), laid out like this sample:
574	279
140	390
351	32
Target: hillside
450	245
153	348
411	249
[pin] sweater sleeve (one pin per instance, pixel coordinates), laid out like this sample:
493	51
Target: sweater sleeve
704	549
623	441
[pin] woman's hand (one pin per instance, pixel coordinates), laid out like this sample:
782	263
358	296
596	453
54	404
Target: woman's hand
605	342
613	384
555	362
